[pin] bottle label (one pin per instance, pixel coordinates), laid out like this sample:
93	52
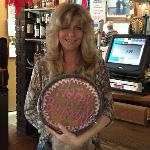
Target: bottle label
37	32
29	28
42	32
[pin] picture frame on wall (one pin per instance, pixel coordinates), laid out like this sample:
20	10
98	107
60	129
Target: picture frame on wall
118	10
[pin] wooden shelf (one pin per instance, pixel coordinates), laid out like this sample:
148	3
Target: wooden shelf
36	40
40	9
123	96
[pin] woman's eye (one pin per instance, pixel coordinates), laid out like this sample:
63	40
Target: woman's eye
64	28
78	28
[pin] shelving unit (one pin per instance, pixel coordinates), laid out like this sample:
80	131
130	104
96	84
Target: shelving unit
25	50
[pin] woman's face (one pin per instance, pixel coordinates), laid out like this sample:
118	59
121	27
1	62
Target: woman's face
70	36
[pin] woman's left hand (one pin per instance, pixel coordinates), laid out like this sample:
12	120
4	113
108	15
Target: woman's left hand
66	137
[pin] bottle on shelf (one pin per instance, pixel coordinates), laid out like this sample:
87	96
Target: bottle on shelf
29	25
43	26
37	27
43	3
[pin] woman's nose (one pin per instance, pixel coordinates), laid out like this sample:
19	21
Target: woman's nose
71	32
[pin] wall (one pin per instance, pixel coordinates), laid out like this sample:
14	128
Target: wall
3	19
12	84
11	61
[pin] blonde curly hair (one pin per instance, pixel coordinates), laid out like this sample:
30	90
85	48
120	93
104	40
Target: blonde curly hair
54	55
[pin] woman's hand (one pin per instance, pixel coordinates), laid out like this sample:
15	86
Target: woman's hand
66	137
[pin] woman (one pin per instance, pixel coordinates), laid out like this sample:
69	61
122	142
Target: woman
110	33
70	49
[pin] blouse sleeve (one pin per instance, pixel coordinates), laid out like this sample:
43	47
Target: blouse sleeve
106	90
30	107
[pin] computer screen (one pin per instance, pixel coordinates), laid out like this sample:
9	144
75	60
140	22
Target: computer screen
127	50
128	54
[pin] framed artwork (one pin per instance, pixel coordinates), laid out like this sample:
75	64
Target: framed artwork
118	9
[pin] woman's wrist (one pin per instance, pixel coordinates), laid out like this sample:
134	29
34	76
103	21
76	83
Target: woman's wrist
82	139
98	126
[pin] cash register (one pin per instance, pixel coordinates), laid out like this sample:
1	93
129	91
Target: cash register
128	63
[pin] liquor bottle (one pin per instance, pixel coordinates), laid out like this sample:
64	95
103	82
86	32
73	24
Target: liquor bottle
43	26
29	25
37	28
43	3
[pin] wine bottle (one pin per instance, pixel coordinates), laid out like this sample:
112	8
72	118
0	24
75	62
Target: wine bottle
43	3
37	27
43	26
29	25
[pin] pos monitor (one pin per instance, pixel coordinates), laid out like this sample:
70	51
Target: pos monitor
128	55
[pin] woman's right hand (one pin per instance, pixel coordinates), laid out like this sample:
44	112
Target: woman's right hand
66	137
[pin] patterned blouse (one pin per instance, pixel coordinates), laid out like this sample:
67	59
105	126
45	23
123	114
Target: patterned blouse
40	77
